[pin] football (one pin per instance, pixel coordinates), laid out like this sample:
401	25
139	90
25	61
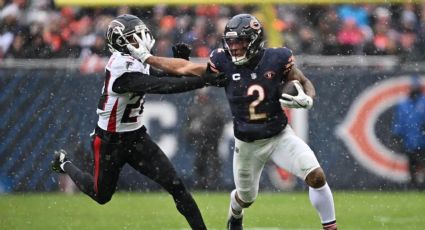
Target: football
289	88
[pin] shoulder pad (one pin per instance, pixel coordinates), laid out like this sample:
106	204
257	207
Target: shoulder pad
120	64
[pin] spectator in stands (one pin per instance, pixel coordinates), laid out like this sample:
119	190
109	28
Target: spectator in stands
355	30
385	37
328	28
409	127
408	32
310	42
18	46
350	38
55	38
9	27
37	47
358	14
290	27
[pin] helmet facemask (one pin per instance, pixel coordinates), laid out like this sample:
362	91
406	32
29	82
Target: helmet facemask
247	44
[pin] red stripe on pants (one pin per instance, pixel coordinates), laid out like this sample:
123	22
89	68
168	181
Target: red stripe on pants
96	147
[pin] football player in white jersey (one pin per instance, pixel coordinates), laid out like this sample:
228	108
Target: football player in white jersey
262	132
120	136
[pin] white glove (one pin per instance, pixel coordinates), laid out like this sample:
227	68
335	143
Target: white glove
143	51
147	40
302	100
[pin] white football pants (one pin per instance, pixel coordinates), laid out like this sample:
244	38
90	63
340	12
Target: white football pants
286	149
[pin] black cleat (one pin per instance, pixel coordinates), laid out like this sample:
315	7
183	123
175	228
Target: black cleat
234	223
58	159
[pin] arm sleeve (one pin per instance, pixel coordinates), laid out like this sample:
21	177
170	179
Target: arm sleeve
159	73
138	82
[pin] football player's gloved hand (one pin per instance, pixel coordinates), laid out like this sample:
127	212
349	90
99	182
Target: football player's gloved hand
181	50
146	40
214	79
301	100
145	45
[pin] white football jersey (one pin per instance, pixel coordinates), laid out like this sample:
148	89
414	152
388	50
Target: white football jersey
120	112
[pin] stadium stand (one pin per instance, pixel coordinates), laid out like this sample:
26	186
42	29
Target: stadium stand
37	29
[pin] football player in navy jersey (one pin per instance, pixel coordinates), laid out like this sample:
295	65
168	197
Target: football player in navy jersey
120	136
253	88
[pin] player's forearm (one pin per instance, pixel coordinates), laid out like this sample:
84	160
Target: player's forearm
309	88
176	66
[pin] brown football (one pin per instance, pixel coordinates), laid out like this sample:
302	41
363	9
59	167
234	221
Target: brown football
289	88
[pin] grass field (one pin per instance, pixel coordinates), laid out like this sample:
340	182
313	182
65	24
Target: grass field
355	210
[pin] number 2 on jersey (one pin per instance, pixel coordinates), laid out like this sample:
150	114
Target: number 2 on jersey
252	113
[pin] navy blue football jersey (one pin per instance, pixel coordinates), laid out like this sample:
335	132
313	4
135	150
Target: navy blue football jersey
253	91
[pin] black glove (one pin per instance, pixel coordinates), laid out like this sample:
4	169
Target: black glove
181	50
214	79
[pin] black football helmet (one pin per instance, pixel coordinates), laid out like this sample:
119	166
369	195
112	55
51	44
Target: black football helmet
120	32
244	27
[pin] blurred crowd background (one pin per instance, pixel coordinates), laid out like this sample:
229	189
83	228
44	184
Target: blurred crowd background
38	29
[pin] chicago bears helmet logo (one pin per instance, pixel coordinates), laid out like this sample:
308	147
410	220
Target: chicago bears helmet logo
358	134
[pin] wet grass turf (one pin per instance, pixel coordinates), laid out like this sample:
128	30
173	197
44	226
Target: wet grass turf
142	210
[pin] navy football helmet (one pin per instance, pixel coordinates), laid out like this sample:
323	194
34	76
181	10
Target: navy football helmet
120	32
247	30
